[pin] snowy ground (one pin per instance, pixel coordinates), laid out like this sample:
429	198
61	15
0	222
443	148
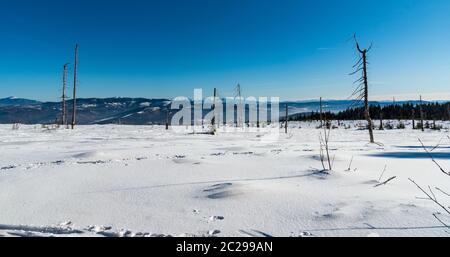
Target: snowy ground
142	180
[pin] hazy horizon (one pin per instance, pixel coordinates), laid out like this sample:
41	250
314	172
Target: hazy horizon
425	98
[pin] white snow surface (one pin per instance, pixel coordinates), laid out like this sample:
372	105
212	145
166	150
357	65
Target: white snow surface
145	181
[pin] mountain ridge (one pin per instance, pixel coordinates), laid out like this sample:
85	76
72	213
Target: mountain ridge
133	111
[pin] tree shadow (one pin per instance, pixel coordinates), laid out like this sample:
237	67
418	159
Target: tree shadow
309	174
370	227
412	155
421	147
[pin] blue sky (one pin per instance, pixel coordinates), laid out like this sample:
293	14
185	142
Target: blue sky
293	49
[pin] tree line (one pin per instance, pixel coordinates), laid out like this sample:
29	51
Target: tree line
431	111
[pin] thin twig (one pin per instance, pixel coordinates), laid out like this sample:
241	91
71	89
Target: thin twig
438	144
430	197
385	182
431	156
332	162
350	165
440	221
322	157
385	167
431	191
442	191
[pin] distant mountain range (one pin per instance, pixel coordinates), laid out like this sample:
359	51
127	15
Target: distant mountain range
130	111
14	101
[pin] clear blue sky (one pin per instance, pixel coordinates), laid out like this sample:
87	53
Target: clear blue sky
289	48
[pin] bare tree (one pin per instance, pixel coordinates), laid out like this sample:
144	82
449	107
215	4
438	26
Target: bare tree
381	120
286	121
321	112
213	122
362	90
324	146
63	97
240	106
448	111
421	115
74	111
167	118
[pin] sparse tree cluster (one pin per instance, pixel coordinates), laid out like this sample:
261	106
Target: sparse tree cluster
63	119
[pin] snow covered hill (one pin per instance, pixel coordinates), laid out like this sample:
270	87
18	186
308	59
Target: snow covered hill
145	181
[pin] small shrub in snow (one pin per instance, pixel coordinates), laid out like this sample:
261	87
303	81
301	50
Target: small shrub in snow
437	127
389	126
418	126
401	125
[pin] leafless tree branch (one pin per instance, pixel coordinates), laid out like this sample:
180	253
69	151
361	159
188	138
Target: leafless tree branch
431	157
430	197
442	191
440	221
382	173
350	165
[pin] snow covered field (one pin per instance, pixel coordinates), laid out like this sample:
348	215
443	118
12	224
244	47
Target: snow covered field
143	180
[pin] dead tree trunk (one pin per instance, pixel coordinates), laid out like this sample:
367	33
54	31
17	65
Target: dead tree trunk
63	97
286	121
366	95
239	108
213	122
362	91
381	121
167	119
258	113
413	118
74	111
321	112
448	111
421	115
